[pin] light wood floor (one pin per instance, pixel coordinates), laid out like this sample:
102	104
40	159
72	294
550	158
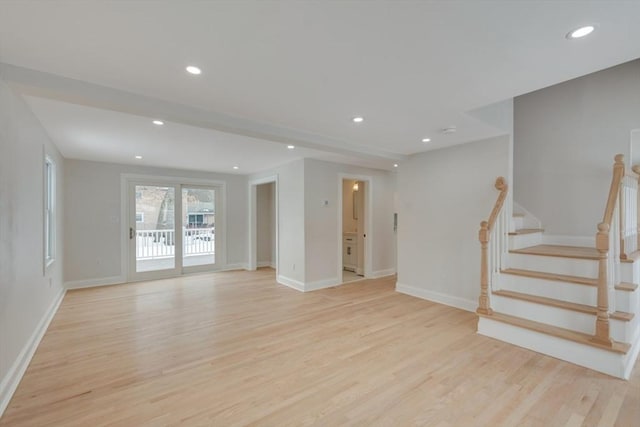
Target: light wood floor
235	348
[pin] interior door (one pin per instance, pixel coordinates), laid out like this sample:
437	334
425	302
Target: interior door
155	245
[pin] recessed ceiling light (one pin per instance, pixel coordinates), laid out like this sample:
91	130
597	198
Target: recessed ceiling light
358	119
193	70
426	139
581	32
291	147
158	122
395	165
139	157
236	167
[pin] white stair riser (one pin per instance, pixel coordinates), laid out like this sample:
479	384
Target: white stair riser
565	291
557	265
525	240
628	272
614	364
628	301
517	222
563	318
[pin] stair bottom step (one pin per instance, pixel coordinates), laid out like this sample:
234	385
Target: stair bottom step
567	334
563	344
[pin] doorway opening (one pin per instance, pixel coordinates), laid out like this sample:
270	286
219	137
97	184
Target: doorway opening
266	225
263	223
353	225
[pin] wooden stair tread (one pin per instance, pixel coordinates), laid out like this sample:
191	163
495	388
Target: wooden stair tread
578	252
622	315
632	257
582	308
622	286
525	231
625	286
579	337
552	276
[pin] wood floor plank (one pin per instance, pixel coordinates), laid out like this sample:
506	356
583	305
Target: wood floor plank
236	349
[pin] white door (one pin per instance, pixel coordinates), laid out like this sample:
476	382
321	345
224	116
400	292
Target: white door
155	246
199	207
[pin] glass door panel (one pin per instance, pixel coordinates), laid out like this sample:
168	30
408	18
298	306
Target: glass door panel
198	225
154	234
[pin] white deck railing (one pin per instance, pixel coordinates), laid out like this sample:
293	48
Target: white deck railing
154	244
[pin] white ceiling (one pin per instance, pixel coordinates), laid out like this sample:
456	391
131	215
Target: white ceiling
299	70
87	133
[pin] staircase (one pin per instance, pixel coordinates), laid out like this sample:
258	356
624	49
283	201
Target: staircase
576	303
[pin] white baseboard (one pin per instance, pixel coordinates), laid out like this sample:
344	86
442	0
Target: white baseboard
306	287
555	239
118	280
322	284
383	273
450	300
234	266
266	264
90	283
292	283
10	382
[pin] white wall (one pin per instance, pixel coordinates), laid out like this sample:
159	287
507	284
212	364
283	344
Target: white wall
27	294
308	230
266	224
565	139
634	158
291	248
442	196
92	227
322	181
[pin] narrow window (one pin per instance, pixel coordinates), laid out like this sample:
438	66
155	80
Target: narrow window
49	211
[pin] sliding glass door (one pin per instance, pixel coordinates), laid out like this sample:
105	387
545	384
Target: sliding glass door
199	227
172	229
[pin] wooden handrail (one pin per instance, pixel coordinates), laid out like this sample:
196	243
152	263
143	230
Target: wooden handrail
614	190
484	307
602	334
502	186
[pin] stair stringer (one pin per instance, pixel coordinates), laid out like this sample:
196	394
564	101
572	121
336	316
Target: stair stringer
529	220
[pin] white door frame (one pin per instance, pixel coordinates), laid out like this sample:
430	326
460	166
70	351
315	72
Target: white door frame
125	208
368	223
252	264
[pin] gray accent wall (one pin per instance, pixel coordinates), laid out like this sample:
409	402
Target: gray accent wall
565	139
